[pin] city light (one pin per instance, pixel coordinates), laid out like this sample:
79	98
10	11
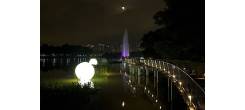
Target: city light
93	61
84	72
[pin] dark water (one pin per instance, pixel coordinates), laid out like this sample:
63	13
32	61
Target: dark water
114	84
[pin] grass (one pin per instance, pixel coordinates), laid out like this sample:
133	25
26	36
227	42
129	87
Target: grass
62	91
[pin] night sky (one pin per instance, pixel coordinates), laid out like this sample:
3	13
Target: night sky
81	22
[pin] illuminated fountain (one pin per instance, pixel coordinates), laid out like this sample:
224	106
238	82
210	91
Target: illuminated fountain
125	45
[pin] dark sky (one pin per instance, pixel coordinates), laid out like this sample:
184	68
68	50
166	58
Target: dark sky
92	21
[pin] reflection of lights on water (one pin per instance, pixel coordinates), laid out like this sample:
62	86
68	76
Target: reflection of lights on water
180	83
54	61
123	103
174	76
169	75
191	108
134	88
145	88
67	60
125	73
152	95
160	107
148	91
189	96
156	100
124	65
43	62
84	72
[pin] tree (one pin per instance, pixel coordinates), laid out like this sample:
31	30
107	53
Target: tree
182	33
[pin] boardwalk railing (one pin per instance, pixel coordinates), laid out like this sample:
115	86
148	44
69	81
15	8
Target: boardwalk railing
192	92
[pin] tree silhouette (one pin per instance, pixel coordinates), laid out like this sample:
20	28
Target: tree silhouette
181	35
65	49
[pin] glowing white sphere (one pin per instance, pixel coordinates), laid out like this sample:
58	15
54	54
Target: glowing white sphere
84	72
93	61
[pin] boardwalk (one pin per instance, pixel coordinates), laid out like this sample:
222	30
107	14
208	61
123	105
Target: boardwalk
193	94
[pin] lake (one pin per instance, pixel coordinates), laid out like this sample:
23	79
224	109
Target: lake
116	86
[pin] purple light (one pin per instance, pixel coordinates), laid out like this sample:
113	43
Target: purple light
125	46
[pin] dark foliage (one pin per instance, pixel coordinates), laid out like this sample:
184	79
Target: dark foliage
182	33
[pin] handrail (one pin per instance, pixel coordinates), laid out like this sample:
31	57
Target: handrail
192	80
190	87
189	77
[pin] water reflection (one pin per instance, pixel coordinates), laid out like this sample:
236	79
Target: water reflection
50	63
157	87
138	81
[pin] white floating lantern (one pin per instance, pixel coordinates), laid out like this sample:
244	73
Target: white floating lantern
84	72
93	61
